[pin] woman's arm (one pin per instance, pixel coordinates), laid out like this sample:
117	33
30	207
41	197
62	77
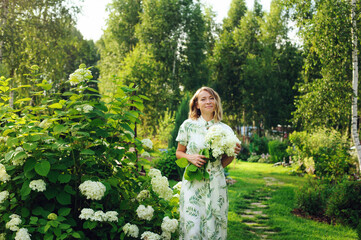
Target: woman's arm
195	159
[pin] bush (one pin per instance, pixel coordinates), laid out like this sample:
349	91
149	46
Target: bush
244	154
312	197
277	150
324	153
258	145
254	158
166	163
67	169
344	204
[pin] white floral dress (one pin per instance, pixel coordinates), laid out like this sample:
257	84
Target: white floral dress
203	204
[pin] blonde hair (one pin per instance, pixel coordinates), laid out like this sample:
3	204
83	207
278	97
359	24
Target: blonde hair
195	113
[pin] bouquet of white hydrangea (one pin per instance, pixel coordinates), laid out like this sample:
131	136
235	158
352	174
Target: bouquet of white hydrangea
218	142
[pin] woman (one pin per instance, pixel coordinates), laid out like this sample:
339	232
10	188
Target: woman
203	204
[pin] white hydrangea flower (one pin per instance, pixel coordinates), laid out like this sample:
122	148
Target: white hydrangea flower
13	223
86	213
160	185
4	177
178	186
166	236
38	185
3	196
150	236
92	190
98	216
143	195
87	108
221	141
169	225
145	154
147	143
153	172
131	230
111	216
19	149
2	236
22	234
145	213
80	75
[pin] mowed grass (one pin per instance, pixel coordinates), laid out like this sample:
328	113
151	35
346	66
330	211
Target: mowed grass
250	179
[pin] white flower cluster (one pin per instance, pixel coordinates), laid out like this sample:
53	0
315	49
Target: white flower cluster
4	177
131	230
38	185
98	216
86	108
22	234
145	213
143	195
169	226
221	141
13	223
2	236
153	172
19	161
147	143
160	185
80	75
150	236
145	154
92	190
3	196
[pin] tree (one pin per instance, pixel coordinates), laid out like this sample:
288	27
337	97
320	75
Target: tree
354	130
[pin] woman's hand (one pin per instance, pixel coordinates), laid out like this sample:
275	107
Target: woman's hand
196	159
237	149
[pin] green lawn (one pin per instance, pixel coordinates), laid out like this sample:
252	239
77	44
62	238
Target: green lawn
251	186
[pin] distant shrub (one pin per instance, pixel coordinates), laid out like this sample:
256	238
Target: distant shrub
166	163
258	144
324	152
265	158
254	158
244	154
277	150
312	198
344	204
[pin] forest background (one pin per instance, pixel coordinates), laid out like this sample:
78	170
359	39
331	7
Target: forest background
171	48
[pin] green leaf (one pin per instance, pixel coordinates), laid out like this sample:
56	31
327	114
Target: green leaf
42	168
182	162
56	105
9	155
53	175
50	193
63	198
34	138
23	100
20	155
29	165
76	235
64	178
25	189
60	128
87	152
12	141
64	212
192	168
30	146
69	189
25	212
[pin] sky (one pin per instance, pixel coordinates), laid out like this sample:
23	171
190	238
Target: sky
91	21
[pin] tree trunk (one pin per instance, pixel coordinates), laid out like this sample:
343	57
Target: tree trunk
3	17
354	131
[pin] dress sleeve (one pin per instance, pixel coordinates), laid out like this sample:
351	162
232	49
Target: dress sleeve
182	137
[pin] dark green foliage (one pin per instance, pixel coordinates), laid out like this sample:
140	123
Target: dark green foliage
344	204
244	153
180	117
358	229
277	150
166	163
312	198
258	144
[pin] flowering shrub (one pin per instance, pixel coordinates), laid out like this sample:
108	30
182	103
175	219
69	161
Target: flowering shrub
147	143
66	169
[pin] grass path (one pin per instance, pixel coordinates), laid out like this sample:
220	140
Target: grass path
261	202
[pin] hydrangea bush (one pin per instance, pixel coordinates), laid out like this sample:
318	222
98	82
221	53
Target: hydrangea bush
66	169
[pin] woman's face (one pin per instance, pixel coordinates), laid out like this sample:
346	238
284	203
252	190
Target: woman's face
206	103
